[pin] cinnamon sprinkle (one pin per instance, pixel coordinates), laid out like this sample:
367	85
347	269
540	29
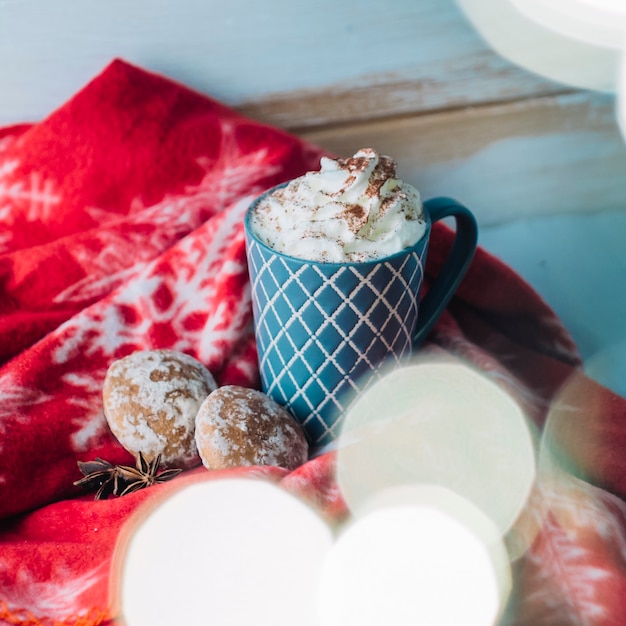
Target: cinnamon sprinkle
355	216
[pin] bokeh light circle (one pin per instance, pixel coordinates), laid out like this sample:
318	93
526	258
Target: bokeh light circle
231	552
438	423
549	52
417	555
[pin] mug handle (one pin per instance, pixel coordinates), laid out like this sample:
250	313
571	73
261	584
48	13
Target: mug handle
455	266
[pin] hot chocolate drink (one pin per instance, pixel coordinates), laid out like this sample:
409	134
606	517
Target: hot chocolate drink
336	261
352	210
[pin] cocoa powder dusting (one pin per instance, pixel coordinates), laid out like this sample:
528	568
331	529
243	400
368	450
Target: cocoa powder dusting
354	165
355	216
384	170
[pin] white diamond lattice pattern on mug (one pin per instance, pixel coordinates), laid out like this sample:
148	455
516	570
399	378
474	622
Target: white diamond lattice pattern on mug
319	337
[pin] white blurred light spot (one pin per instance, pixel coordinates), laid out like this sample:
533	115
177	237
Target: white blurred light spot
442	424
231	552
548	46
410	561
598	22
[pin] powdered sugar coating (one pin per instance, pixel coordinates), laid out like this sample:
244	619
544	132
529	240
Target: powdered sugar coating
151	398
236	426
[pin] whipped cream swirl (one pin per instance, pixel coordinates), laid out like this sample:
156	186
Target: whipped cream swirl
352	210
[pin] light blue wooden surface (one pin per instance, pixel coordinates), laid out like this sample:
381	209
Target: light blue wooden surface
422	54
577	263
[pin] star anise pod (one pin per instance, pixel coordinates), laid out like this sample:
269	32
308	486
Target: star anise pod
100	474
119	480
143	475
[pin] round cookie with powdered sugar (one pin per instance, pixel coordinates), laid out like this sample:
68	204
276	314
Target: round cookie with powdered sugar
237	426
151	398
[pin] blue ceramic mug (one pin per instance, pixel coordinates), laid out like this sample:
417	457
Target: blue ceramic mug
324	330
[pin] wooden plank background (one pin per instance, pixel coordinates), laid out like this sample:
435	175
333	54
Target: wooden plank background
293	64
412	78
541	156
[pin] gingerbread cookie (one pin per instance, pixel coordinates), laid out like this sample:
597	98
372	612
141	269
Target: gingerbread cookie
236	426
151	398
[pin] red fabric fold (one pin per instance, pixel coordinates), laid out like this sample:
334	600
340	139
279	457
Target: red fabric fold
121	228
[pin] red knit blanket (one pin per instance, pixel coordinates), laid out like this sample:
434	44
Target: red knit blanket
121	228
